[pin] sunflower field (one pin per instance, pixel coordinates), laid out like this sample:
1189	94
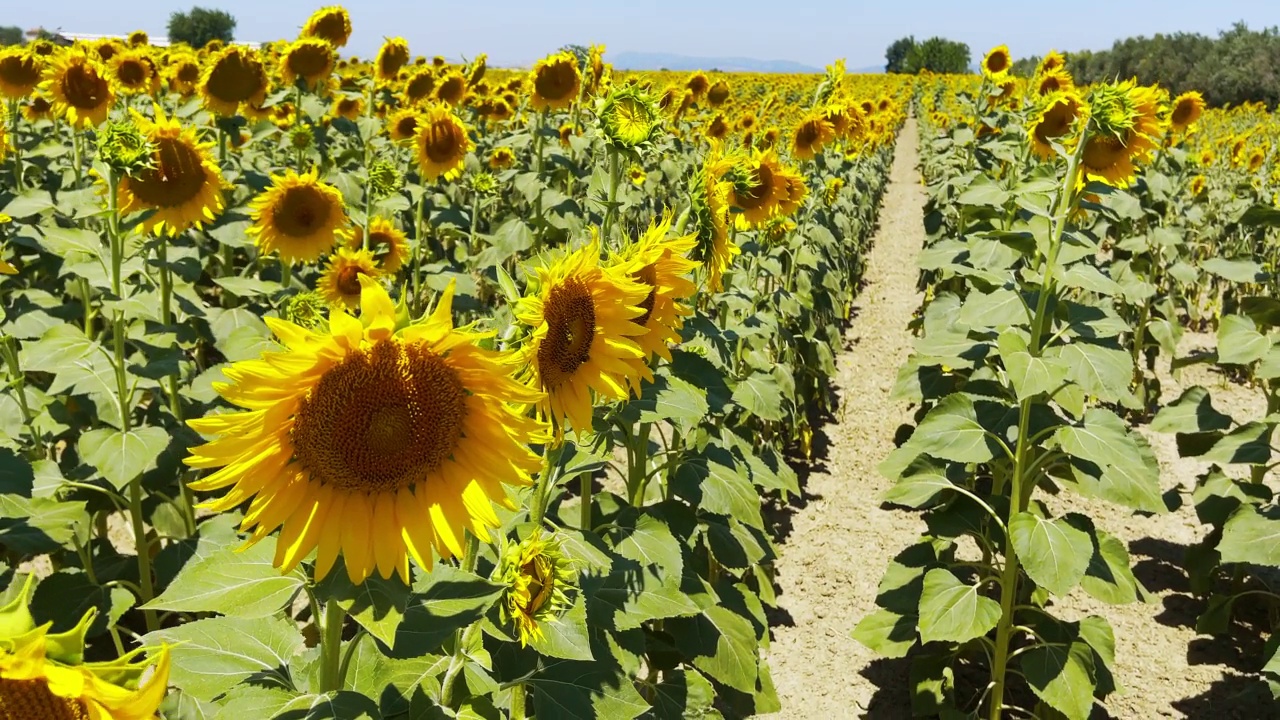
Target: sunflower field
393	388
1076	238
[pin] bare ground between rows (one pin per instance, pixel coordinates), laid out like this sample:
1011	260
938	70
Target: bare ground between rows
839	539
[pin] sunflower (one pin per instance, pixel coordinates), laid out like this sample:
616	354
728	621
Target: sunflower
309	59
1198	185
19	72
1256	159
452	88
537	579
299	216
183	184
134	72
339	284
661	265
235	76
567	131
107	48
371	442
717	129
37	108
389	245
79	87
43	675
583	337
442	143
502	158
755	187
419	85
1128	127
629	117
709	211
1052	81
1187	109
403	124
138	38
810	135
718	93
637	175
556	81
183	74
997	62
350	107
698	84
393	55
1053	120
1051	61
1206	157
331	24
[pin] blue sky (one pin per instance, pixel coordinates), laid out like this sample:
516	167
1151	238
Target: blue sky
813	32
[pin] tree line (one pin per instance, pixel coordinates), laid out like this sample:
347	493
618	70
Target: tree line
938	55
196	27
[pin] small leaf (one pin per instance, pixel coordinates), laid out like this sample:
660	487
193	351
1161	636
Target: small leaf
1251	537
1030	375
1055	553
887	633
121	456
952	611
1239	342
951	431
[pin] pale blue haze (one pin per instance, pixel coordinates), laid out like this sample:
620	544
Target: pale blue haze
813	32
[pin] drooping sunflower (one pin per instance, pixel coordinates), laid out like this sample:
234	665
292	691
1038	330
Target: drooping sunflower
1187	109
19	72
389	245
133	72
234	76
537	580
182	185
298	216
709	212
717	129
755	187
1052	81
393	55
997	62
811	134
139	38
698	84
441	143
718	93
331	24
556	81
662	266
309	59
451	88
371	442
1053	120
583	336
43	675
1052	60
339	284
79	87
1128	126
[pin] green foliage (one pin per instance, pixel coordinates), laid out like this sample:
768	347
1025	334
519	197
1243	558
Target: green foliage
197	26
896	54
11	35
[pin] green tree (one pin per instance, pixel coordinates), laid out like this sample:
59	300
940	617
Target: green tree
938	55
11	35
198	26
896	54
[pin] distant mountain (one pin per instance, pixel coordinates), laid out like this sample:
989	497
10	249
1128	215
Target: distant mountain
669	61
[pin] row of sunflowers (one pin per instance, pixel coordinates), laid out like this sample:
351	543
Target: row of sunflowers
395	387
1076	236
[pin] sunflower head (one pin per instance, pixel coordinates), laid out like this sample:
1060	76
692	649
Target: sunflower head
1053	60
331	24
566	131
299	216
179	182
661	264
708	216
476	70
1187	109
309	60
1128	125
1054	120
124	148
629	117
811	134
537	582
139	38
305	309
80	88
339	284
388	244
502	157
637	175
402	125
441	143
832	189
483	183
718	93
997	61
1198	185
385	178
183	73
350	107
134	72
452	88
698	84
19	71
1052	81
393	55
234	76
556	81
419	84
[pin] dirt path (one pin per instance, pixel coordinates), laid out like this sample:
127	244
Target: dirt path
841	540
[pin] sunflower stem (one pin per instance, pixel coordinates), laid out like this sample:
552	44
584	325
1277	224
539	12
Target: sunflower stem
286	274
173	381
18	380
542	488
331	647
17	149
584	513
77	156
518	711
615	172
538	127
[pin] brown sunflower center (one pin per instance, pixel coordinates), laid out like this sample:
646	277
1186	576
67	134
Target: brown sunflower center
349	280
1104	152
556	81
647	276
302	210
39	105
83	87
19	71
807	135
1182	113
420	86
32	700
177	175
235	79
998	62
407	126
310	60
331	27
451	90
132	73
757	191
188	73
541	582
381	420
390	60
442	142
571	327
381	242
1050	84
1056	122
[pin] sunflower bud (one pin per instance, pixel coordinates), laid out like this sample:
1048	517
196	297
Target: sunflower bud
123	147
302	137
384	179
538	578
484	183
305	309
629	117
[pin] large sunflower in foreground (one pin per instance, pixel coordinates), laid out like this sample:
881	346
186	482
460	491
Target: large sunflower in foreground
662	266
78	85
583	338
441	143
369	441
332	24
298	216
183	184
556	81
19	72
235	76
